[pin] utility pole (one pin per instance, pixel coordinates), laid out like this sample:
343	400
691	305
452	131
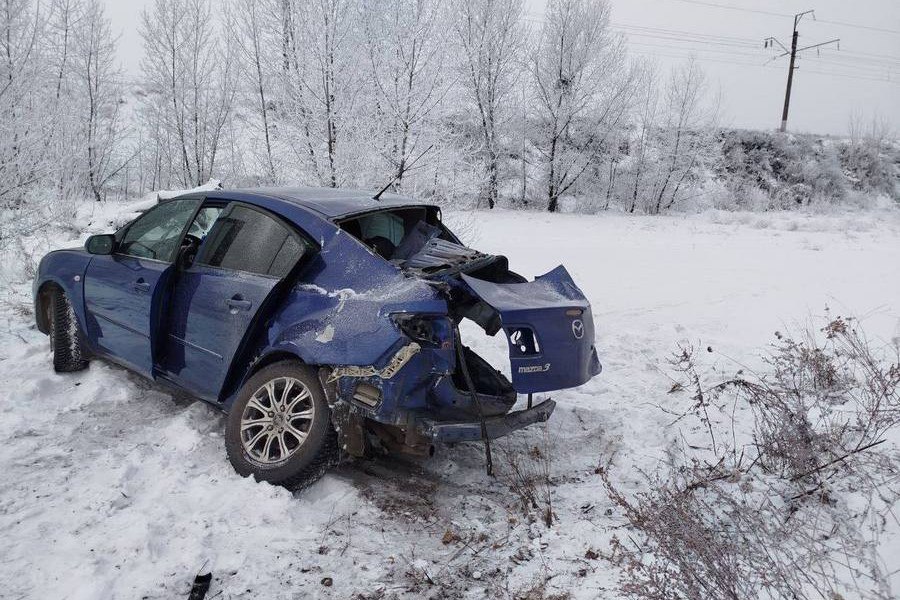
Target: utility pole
770	42
790	81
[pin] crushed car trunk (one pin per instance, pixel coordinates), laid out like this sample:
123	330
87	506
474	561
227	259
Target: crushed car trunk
547	322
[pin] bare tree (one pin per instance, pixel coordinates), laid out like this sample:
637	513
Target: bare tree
646	124
687	123
96	76
582	84
321	63
189	78
490	34
292	104
405	46
25	125
251	26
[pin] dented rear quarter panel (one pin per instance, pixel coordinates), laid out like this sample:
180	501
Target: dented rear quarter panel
338	313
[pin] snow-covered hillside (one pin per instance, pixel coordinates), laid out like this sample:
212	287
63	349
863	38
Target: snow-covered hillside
111	488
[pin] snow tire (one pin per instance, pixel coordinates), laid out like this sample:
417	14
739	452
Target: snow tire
65	335
318	453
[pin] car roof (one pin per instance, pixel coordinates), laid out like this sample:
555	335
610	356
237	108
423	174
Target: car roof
331	203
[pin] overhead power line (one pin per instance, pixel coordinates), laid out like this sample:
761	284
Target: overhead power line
727	49
750	55
738	8
725	38
756	65
778	14
857	26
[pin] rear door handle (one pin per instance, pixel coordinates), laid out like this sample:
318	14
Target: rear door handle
141	286
238	303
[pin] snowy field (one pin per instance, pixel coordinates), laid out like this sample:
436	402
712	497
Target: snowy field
111	488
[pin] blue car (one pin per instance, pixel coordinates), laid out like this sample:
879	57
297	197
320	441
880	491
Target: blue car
325	322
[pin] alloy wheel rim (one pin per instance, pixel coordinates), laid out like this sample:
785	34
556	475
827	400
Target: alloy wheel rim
276	420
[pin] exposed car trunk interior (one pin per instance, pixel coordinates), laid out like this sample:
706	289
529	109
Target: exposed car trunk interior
415	239
495	392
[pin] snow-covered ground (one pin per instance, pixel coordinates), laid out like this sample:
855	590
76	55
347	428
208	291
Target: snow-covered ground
110	488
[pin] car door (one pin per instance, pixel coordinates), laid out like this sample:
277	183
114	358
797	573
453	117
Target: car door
215	301
125	291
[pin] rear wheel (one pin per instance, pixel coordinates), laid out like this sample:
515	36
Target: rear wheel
279	428
65	336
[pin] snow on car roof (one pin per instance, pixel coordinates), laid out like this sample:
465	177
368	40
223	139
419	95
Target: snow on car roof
333	202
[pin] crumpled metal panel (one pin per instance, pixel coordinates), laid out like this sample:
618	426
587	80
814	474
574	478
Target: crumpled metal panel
441	253
549	328
395	364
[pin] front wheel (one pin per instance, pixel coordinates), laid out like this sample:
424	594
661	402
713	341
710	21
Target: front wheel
279	429
65	335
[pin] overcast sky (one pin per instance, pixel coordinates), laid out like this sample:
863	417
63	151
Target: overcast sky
864	76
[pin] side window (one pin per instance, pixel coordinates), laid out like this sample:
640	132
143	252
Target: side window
203	222
157	234
243	239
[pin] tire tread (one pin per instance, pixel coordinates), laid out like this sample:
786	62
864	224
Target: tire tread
326	456
68	349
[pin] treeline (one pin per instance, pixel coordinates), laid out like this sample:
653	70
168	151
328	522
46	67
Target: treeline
467	102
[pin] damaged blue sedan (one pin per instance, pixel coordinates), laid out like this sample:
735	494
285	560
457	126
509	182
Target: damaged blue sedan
324	322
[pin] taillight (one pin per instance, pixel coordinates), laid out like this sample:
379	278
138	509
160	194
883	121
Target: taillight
432	331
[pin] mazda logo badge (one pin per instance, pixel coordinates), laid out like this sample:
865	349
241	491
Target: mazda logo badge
578	329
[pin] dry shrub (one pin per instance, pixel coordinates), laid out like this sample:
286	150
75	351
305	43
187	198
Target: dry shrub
527	474
773	518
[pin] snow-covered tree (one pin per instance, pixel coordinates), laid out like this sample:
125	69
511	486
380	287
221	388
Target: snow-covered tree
490	38
642	145
322	68
26	124
582	85
97	90
189	81
687	127
405	43
253	31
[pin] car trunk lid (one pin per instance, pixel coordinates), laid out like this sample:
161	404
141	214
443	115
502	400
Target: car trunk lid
549	328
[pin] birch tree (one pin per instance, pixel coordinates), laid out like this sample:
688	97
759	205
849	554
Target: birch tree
490	36
25	124
321	81
97	87
252	26
190	83
405	47
582	86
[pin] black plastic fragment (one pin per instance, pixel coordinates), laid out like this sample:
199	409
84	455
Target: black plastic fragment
200	587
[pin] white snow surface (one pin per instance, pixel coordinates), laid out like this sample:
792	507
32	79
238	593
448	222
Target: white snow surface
209	186
112	488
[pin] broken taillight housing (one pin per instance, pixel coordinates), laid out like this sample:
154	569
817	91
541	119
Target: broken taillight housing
431	331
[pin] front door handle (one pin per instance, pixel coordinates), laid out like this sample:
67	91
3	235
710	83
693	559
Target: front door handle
237	303
141	286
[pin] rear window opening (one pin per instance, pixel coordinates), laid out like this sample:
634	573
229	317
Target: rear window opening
398	234
414	239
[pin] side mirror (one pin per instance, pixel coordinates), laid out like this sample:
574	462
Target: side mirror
100	244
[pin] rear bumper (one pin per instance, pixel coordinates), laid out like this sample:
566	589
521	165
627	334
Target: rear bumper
496	427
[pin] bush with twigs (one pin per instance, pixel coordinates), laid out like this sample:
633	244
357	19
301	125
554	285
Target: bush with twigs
793	510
